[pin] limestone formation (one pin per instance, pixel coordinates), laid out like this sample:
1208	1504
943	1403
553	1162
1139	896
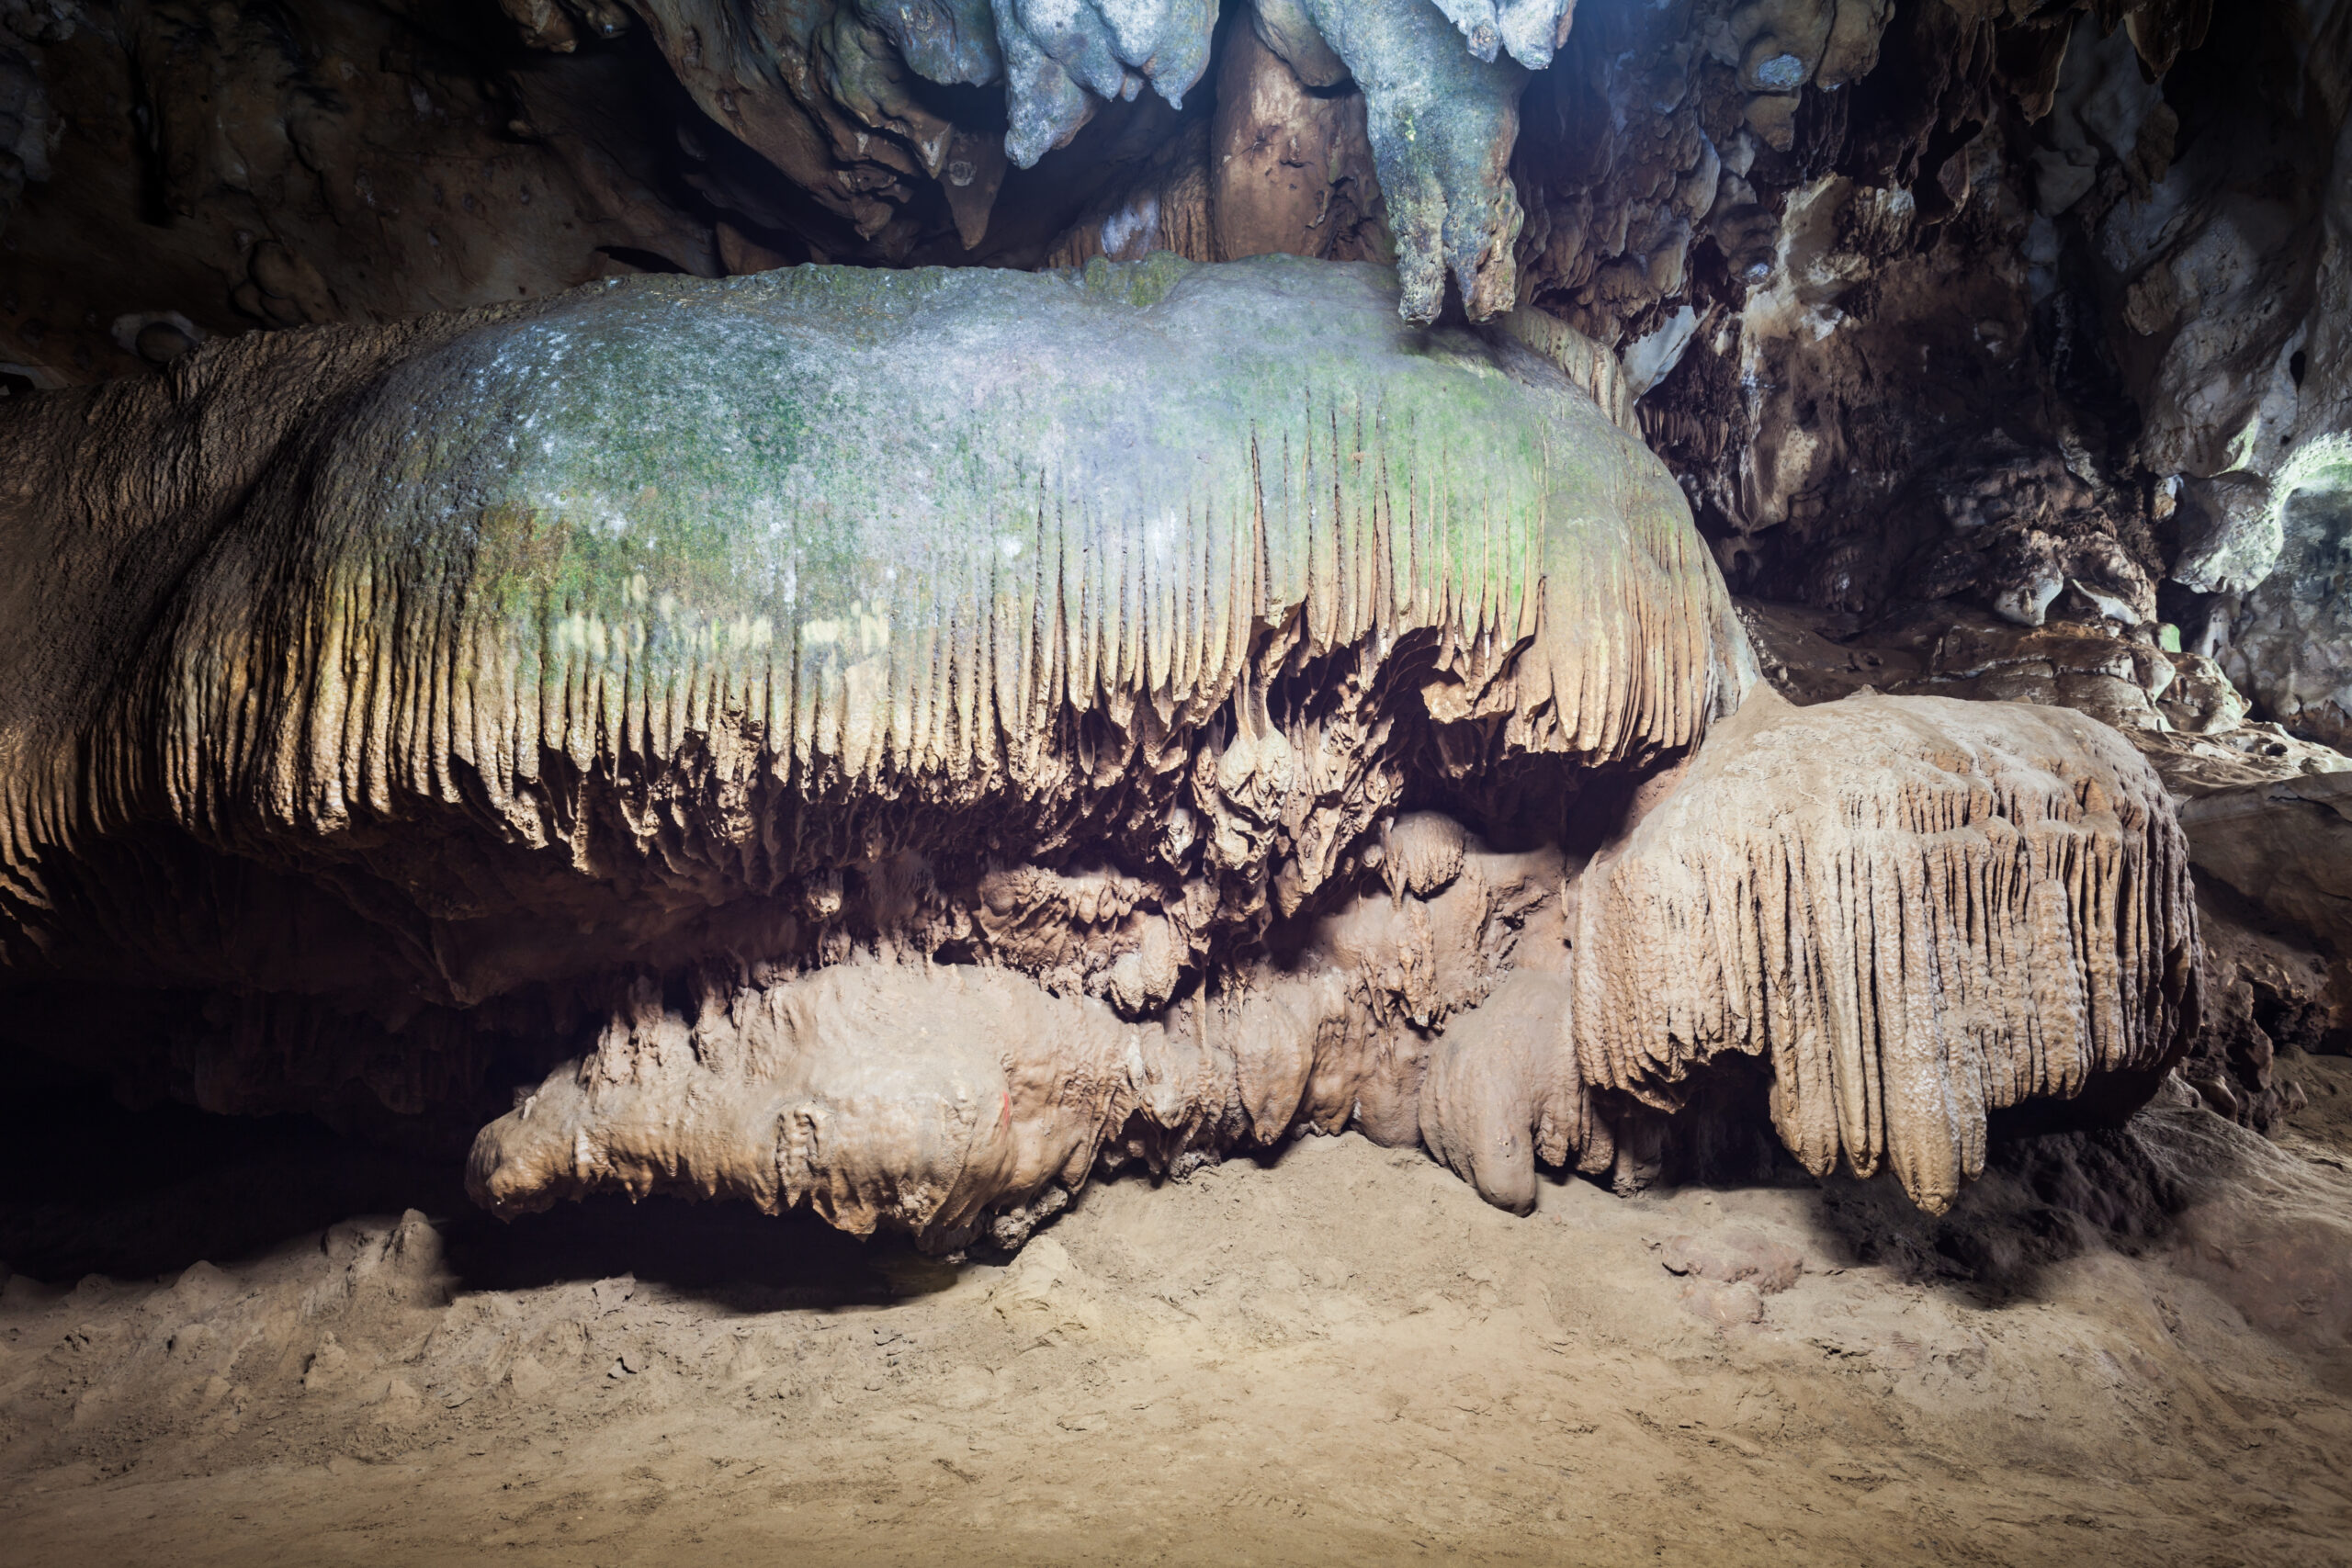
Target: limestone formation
957	1101
2285	636
2284	847
507	651
1442	126
1920	910
898	743
2251	797
1462	683
1442	114
1993	908
1289	170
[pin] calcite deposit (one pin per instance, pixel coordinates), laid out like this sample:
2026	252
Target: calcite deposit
1921	910
963	730
422	703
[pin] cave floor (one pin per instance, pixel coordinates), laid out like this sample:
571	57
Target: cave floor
1345	1358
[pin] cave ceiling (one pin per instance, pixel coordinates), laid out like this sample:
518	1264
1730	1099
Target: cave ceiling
1926	301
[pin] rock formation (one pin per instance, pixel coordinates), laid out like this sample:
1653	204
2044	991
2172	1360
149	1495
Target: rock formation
924	737
1220	675
1919	910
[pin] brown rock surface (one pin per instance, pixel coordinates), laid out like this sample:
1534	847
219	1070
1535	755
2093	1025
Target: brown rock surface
904	862
1290	172
1178	719
2285	848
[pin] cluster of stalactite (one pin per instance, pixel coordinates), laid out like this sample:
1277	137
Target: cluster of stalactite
1917	909
1002	707
507	684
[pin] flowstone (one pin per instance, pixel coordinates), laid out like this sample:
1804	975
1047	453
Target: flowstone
915	739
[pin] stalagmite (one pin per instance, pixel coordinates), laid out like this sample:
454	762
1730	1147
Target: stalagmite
922	1096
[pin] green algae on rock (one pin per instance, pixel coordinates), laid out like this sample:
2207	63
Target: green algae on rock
663	599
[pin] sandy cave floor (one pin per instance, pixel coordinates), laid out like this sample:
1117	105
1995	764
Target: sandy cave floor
1337	1356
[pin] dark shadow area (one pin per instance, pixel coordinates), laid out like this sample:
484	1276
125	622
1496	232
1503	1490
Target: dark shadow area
2061	1179
643	261
2042	1200
88	1187
726	1253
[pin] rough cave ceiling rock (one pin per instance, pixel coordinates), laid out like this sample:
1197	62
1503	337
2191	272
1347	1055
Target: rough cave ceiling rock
2116	250
2289	643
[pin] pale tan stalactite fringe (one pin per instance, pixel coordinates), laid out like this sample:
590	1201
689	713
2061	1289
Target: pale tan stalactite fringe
890	1093
1916	910
931	647
419	593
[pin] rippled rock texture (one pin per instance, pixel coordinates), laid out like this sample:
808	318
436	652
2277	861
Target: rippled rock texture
1991	307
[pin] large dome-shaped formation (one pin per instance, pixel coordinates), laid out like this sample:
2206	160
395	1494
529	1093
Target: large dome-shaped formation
1598	738
1039	709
